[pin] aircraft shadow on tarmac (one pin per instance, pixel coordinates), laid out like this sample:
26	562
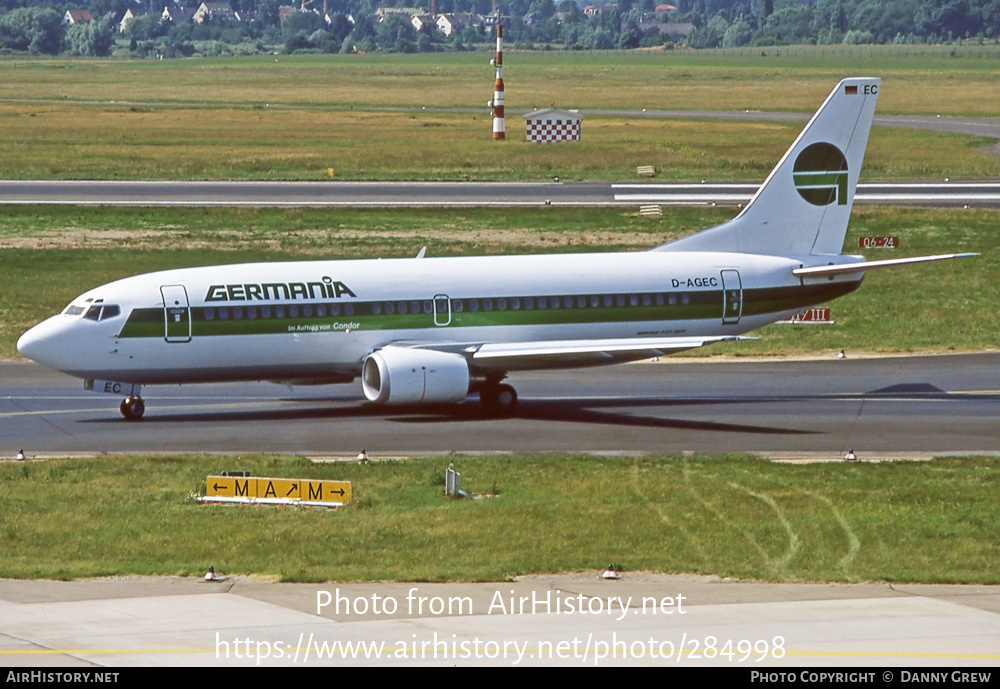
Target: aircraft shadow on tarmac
581	410
595	411
584	411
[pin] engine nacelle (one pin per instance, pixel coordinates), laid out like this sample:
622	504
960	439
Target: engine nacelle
400	375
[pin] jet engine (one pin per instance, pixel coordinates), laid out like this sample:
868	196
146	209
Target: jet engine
400	375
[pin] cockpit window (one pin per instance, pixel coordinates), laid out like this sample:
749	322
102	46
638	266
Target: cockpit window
94	312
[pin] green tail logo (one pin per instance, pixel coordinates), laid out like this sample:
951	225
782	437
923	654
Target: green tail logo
820	175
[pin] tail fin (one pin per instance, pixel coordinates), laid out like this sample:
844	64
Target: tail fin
804	204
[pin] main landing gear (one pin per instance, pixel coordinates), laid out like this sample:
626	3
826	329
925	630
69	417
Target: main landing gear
132	408
496	398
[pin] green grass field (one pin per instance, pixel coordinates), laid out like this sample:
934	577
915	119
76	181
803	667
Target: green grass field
731	516
917	81
425	116
61	141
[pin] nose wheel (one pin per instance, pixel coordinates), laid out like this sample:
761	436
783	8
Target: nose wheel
132	408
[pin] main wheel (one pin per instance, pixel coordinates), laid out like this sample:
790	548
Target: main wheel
498	399
132	408
506	397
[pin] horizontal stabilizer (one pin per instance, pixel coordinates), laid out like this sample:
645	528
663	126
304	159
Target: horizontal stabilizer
865	266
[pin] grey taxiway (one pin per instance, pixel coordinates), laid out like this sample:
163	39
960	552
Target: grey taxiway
981	193
821	407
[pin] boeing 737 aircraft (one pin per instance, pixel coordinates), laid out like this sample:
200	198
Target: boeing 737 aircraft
434	330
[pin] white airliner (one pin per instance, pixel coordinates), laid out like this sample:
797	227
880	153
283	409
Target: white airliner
434	330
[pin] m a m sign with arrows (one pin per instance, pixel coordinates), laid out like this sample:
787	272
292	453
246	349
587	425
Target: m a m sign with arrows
277	491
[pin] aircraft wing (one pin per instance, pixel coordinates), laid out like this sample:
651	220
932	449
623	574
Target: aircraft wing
522	356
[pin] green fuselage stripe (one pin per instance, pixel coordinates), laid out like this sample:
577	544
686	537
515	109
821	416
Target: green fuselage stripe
235	319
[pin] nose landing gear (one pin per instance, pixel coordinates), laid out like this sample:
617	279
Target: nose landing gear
132	408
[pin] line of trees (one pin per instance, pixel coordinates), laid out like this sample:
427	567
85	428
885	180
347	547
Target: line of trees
36	26
735	23
40	31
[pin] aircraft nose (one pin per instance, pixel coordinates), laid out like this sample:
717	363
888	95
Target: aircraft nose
42	343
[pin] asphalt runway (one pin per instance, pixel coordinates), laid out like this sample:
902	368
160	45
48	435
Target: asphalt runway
895	406
980	194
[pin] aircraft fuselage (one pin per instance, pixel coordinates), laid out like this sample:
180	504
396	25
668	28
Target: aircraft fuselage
315	321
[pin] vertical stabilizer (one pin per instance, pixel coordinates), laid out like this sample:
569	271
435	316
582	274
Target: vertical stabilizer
804	204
